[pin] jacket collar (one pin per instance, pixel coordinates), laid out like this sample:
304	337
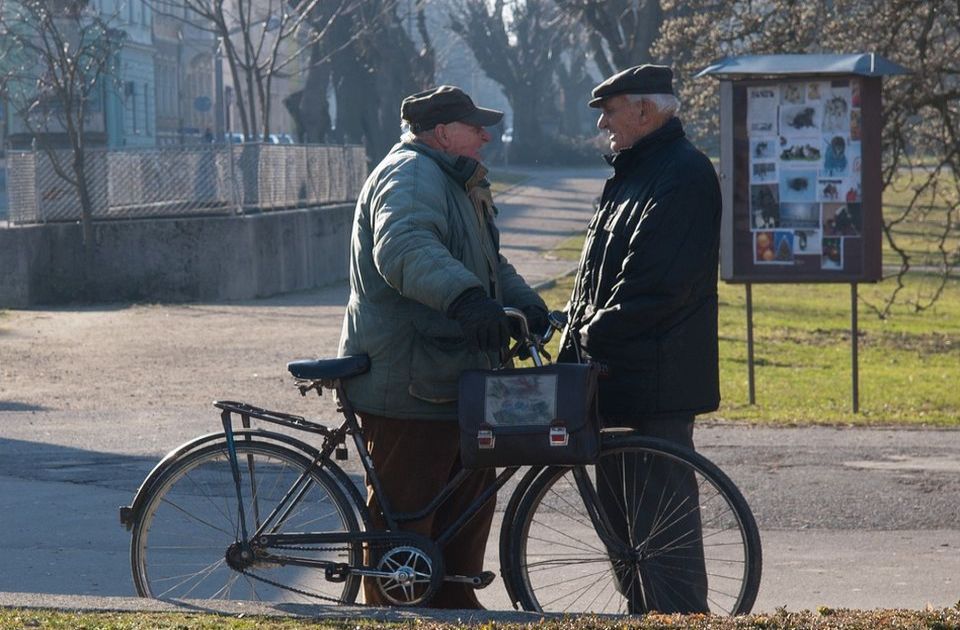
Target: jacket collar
626	159
467	172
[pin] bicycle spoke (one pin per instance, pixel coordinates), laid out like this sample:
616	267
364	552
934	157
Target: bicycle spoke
691	549
197	494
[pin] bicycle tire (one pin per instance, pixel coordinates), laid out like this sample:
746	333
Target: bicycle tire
190	519
554	532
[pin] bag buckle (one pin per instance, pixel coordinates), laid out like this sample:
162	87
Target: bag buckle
559	435
485	439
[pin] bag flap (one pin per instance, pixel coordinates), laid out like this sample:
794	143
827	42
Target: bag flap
527	400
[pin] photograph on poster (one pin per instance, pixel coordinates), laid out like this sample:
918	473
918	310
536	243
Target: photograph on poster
798	120
855	130
762	110
855	93
853	158
792	93
764	207
816	90
830	189
832	255
836	110
800	150
799	215
806	242
773	247
763	247
842	219
798	184
764	148
782	248
835	162
853	192
763	173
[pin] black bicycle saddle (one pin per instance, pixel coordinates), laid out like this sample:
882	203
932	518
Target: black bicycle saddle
329	369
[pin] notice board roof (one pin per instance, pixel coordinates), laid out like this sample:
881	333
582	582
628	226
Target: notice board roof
863	64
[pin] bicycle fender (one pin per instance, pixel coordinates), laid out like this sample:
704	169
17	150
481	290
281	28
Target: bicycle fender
130	514
506	531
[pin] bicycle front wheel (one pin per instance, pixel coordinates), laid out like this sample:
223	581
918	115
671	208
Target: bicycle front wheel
653	526
190	524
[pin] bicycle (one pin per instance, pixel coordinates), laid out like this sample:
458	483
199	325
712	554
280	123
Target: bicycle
252	513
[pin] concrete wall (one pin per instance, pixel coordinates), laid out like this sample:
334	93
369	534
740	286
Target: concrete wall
174	260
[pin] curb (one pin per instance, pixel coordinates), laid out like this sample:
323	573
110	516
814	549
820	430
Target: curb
89	604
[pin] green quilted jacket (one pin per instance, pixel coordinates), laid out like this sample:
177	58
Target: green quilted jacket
423	233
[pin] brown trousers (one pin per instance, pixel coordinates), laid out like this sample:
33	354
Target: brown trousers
414	460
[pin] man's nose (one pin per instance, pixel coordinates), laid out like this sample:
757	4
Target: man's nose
602	121
484	135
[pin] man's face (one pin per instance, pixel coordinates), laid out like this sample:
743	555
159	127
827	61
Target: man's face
459	138
624	120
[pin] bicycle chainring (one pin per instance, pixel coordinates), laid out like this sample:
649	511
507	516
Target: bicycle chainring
416	575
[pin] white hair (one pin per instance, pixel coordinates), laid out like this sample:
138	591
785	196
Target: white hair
663	103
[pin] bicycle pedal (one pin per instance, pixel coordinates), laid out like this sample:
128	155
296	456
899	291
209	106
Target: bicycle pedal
483	580
337	572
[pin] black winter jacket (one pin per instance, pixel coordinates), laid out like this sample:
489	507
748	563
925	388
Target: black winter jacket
645	297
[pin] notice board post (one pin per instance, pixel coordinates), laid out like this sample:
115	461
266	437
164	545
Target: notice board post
800	172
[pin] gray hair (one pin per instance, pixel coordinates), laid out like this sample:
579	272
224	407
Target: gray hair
663	103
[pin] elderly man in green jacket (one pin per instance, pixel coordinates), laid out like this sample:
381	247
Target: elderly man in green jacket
427	290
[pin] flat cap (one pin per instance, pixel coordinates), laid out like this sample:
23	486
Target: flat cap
645	79
442	105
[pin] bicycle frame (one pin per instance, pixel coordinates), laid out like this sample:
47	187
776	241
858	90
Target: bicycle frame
332	440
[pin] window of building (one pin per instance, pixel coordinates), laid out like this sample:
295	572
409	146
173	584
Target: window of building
146	108
132	96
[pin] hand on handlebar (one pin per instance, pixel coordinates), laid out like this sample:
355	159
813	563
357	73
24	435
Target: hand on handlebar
537	324
483	321
528	337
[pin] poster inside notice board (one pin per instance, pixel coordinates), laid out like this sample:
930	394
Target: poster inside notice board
798	202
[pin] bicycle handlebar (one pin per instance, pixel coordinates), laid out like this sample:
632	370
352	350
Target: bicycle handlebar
534	342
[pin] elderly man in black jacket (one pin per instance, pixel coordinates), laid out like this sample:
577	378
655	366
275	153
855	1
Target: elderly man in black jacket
644	305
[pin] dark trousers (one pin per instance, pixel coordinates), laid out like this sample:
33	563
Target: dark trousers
653	507
414	460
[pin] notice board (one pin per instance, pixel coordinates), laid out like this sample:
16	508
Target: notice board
800	170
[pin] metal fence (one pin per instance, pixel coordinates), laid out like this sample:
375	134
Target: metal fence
182	181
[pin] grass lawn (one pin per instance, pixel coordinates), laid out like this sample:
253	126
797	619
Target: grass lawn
919	234
909	364
821	619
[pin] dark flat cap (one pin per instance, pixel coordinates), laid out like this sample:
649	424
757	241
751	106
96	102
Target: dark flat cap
445	104
645	79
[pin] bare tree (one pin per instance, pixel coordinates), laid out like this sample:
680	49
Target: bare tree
518	45
371	57
261	40
57	59
921	111
621	32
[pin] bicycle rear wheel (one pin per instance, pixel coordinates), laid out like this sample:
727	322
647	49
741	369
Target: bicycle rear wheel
668	545
191	518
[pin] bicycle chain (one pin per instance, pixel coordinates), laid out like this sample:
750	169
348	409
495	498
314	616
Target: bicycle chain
294	589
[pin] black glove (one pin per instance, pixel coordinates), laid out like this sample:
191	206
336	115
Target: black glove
484	324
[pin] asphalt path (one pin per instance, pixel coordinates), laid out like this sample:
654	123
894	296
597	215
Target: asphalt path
92	397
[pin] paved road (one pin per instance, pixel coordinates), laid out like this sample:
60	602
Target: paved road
858	518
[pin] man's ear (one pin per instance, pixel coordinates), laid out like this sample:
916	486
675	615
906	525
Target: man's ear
643	109
440	133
